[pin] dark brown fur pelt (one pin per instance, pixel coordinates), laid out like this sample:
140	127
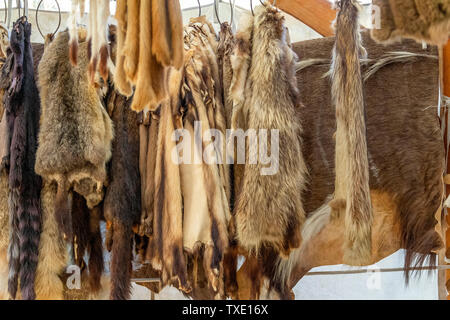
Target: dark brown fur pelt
352	193
76	131
421	20
122	205
22	108
274	103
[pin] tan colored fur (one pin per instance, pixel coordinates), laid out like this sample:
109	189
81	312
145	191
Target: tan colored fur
352	193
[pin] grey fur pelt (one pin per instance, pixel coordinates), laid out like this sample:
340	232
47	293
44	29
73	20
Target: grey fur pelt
352	193
269	209
76	131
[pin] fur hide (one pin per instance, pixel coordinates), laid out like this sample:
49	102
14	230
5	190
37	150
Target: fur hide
206	220
421	20
405	145
166	244
76	131
22	112
151	44
274	103
77	12
352	193
122	205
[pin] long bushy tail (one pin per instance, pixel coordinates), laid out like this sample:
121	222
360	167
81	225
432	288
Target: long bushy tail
352	192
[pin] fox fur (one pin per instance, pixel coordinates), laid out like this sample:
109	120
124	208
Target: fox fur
22	110
76	131
263	220
122	204
151	44
352	193
77	11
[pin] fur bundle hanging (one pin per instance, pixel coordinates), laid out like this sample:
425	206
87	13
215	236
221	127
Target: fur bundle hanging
421	20
76	131
352	192
269	209
149	43
206	219
122	205
22	112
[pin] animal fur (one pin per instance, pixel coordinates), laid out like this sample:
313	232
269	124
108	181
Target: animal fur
274	103
166	244
152	44
121	83
77	11
122	205
404	211
22	109
352	193
421	20
76	132
205	221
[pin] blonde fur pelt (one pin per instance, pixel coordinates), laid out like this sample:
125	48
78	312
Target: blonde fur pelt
272	220
352	192
53	256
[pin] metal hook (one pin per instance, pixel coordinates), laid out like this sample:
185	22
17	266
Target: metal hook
37	20
251	7
231	10
6	11
217	14
199	8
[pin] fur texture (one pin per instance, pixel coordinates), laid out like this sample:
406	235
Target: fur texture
421	20
352	193
206	220
22	108
122	205
261	220
152	44
76	132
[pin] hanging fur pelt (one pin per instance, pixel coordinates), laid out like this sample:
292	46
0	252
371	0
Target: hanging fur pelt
150	40
352	193
165	249
122	205
76	131
421	20
22	111
273	104
98	53
206	219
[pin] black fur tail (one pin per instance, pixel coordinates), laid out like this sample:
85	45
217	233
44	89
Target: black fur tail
121	254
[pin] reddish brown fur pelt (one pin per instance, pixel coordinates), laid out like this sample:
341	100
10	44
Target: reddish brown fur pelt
122	204
273	103
352	193
22	108
76	131
153	43
121	83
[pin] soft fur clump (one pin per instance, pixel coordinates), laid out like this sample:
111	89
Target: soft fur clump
76	131
421	20
265	218
352	193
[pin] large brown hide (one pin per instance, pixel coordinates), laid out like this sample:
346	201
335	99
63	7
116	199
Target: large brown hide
406	158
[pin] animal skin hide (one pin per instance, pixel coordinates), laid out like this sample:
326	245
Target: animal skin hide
149	43
122	205
22	113
97	36
165	250
269	210
352	193
76	131
421	20
205	220
405	145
